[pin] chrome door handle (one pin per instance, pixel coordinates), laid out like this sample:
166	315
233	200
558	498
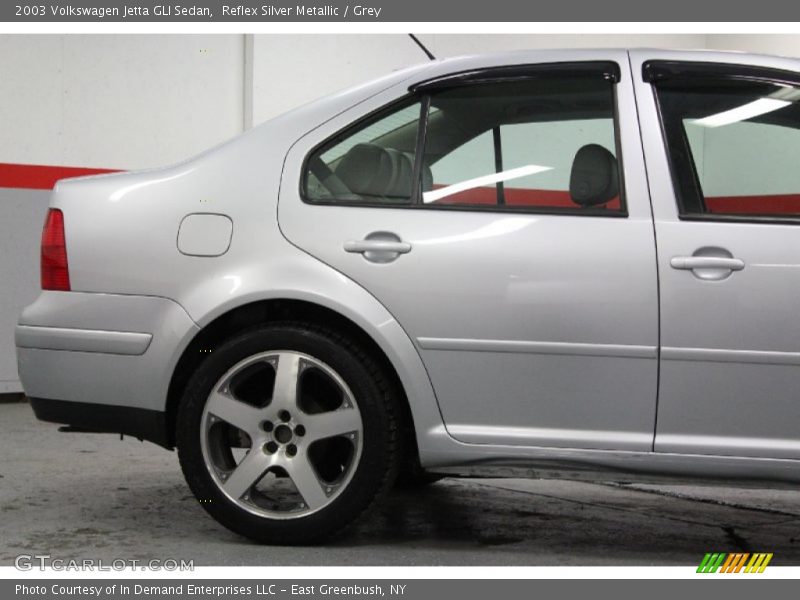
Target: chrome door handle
690	263
364	246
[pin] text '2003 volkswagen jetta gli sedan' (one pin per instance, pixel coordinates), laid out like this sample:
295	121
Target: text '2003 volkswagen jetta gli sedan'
584	258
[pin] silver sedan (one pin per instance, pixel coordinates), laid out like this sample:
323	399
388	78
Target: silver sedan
558	259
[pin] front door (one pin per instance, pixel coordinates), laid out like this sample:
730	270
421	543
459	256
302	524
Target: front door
728	235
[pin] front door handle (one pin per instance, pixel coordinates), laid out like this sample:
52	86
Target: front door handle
379	247
690	263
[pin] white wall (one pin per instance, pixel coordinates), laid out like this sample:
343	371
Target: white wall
119	101
137	101
21	216
445	45
291	70
781	45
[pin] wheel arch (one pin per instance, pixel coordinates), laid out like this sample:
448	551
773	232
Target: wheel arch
259	312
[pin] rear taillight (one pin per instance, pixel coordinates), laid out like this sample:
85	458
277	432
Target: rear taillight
55	271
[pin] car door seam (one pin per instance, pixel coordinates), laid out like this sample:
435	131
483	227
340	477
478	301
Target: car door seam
655	245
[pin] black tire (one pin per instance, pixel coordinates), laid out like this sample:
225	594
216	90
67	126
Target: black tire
377	404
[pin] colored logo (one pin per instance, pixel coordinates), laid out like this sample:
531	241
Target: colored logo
739	562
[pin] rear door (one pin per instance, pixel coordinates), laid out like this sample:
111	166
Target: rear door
726	195
489	214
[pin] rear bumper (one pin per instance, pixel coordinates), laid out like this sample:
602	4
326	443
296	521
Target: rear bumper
82	340
144	424
102	362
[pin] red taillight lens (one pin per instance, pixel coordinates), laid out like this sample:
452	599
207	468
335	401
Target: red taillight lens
55	271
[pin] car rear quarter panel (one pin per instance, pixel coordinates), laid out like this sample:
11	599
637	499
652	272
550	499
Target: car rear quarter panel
122	234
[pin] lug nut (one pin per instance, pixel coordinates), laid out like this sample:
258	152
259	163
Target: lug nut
267	426
270	447
300	430
284	416
291	449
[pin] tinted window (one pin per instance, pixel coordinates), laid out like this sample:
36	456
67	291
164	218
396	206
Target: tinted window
372	163
540	144
733	146
547	142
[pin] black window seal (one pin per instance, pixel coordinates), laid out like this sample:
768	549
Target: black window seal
484	208
745	219
419	150
497	142
656	71
611	74
616	121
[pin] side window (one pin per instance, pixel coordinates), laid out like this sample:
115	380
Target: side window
541	144
733	146
371	164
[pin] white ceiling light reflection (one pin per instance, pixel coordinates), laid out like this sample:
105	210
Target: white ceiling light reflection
236	282
119	194
501	227
780	99
434	195
758	107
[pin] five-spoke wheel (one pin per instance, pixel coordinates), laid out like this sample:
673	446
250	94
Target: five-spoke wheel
277	421
288	432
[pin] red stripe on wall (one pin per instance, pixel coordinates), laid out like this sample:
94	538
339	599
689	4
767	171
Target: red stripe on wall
41	177
768	204
516	197
773	204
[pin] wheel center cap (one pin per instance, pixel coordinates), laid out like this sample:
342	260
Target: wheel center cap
283	433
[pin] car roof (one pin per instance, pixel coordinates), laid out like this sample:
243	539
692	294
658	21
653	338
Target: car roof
518	57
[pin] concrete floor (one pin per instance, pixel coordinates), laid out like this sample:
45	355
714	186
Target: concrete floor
92	496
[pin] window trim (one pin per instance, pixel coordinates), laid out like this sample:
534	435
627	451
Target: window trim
655	71
607	69
419	93
419	151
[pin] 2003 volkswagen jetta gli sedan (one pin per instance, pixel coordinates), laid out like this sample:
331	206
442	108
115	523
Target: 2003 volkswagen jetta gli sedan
582	258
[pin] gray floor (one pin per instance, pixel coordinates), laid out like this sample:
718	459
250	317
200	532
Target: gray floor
92	496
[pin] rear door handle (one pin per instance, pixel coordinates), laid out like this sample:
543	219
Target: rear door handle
363	246
690	263
379	247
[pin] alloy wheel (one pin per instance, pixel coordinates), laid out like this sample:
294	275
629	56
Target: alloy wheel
281	434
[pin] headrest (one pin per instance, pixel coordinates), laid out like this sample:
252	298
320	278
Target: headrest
369	170
594	179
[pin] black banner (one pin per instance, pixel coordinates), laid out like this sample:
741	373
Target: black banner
378	589
398	11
